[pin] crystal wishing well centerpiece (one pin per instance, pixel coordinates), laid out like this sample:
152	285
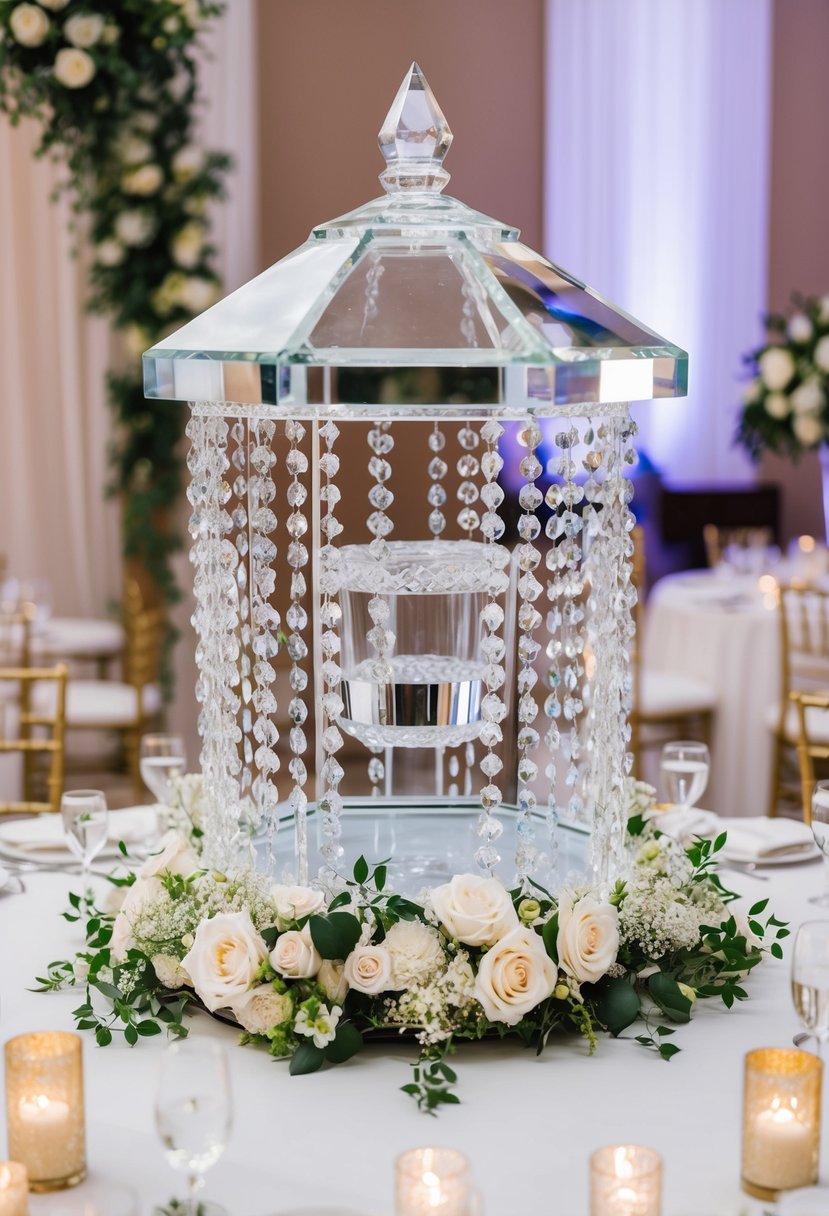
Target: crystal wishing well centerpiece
411	538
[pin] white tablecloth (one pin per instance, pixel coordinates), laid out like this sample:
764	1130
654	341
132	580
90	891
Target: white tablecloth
527	1124
724	631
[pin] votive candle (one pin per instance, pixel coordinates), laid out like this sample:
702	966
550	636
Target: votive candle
625	1180
433	1182
14	1189
781	1121
45	1108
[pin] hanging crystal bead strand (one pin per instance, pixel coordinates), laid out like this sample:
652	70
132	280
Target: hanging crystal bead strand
493	709
330	803
215	621
239	462
437	470
468	468
265	621
381	442
296	618
529	618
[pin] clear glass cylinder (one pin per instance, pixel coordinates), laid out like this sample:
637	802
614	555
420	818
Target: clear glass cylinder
14	1189
433	1182
781	1121
45	1108
625	1180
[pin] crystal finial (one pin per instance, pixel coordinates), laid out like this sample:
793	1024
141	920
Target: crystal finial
414	137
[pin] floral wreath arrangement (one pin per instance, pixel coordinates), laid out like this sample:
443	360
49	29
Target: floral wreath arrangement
308	976
786	403
113	88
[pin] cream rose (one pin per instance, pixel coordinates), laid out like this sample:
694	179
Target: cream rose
588	938
122	938
84	29
477	911
778	405
776	368
29	24
186	246
74	68
177	857
54	5
109	252
415	952
134	227
197	293
295	955
187	163
133	150
808	429
808	397
368	969
261	1008
821	355
799	328
515	976
294	903
169	971
225	956
146	179
331	978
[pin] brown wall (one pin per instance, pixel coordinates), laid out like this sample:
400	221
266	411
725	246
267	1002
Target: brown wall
799	206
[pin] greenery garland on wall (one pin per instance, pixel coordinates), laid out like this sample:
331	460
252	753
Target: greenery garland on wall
113	85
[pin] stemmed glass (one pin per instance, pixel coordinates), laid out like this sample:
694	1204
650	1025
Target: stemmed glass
820	831
810	978
684	768
192	1113
85	821
162	759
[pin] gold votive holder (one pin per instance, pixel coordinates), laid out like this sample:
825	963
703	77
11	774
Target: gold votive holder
45	1110
781	1121
625	1180
433	1182
14	1189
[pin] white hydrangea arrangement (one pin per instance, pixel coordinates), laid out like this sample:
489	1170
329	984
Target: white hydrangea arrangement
308	977
784	405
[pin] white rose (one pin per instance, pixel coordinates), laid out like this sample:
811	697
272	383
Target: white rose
84	29
140	893
225	956
122	939
368	969
136	342
169	971
776	368
821	355
808	429
261	1008
808	397
74	68
294	903
144	180
110	33
515	976
177	857
477	911
778	405
588	938
799	328
331	978
295	955
197	293
187	163
187	244
145	121
29	24
80	970
134	227
415	950
133	150
109	252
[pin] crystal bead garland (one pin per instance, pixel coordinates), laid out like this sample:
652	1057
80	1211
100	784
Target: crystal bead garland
529	618
493	709
468	467
296	618
216	622
330	802
610	628
381	442
437	469
265	627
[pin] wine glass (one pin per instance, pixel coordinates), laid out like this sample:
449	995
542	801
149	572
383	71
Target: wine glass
85	821
192	1113
810	978
684	768
820	831
162	759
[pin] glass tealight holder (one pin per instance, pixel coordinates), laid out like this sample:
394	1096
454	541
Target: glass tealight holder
781	1121
14	1189
433	1182
45	1108
625	1180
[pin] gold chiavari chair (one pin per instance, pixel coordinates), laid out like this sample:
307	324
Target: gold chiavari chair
812	741
38	731
717	539
803	614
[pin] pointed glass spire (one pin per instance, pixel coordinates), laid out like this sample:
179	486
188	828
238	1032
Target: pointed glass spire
415	134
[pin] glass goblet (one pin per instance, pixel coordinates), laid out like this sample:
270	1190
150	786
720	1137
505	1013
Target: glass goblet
193	1113
162	759
684	766
85	822
820	831
810	978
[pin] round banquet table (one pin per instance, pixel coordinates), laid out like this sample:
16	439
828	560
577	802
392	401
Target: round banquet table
724	630
329	1140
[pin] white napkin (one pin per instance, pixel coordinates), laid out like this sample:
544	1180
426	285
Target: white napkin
685	822
764	839
133	825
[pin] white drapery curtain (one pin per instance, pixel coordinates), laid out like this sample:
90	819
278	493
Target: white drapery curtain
657	151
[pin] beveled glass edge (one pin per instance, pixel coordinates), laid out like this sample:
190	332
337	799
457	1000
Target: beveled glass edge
386	413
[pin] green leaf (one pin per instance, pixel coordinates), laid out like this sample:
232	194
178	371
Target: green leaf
131	1035
380	877
549	935
666	1050
147	1028
719	842
759	907
340	900
335	935
103	1036
776	949
615	1003
307	1058
665	992
347	1042
360	869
